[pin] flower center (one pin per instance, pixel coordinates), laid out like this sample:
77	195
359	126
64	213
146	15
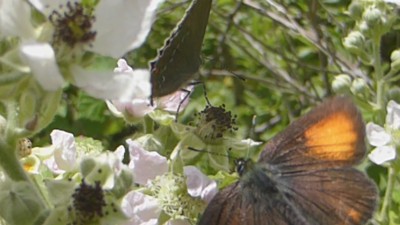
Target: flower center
214	122
73	24
88	202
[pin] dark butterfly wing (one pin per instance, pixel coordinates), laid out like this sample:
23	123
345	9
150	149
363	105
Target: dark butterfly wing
330	136
310	164
231	207
179	60
330	197
304	176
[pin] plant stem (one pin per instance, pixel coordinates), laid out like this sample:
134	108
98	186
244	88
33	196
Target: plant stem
376	46
10	163
148	125
383	215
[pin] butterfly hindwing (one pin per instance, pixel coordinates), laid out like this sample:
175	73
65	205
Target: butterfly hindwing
335	196
231	207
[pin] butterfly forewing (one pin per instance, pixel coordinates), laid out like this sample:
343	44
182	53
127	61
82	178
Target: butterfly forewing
331	135
179	59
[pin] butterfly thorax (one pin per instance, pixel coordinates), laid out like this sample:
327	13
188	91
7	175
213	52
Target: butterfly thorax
257	181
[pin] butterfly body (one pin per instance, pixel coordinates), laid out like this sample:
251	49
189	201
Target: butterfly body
303	176
179	60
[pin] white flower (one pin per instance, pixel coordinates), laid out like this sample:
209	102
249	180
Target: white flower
139	106
112	85
145	165
141	209
119	25
199	185
15	19
115	27
383	138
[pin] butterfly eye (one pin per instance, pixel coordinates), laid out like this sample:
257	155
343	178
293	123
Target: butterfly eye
240	166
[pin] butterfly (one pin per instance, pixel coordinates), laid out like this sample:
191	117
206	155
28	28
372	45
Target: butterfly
304	175
179	60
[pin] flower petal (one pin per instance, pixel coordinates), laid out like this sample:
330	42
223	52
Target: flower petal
393	115
137	108
113	85
122	66
41	59
177	222
146	165
122	25
199	185
140	208
65	155
171	102
15	19
382	154
47	6
377	135
397	2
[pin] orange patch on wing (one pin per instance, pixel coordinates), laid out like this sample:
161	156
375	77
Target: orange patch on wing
333	138
354	215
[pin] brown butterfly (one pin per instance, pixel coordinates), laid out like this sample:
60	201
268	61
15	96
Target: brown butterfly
303	176
179	60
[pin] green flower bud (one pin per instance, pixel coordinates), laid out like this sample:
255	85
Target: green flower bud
354	42
341	83
358	86
356	9
364	28
394	93
373	17
395	58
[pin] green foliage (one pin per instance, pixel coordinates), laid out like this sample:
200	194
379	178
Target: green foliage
290	55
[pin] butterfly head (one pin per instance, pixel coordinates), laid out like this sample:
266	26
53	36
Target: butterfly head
243	165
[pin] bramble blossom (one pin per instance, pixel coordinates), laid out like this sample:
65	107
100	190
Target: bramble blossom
385	139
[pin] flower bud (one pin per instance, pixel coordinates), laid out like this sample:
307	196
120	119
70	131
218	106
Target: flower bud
356	9
341	83
359	86
354	42
373	17
395	58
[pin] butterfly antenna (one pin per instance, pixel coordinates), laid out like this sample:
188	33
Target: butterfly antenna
194	83
205	151
238	76
205	94
181	102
